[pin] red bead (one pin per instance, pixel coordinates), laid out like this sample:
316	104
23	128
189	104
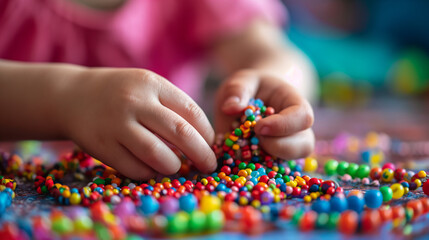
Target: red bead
375	173
226	170
399	174
426	188
308	220
313	181
296	191
264	179
331	191
272	174
389	165
370	221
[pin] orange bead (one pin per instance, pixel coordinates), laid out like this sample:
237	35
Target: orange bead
386	214
417	207
250	217
230	210
425	204
398	212
221	175
247	124
287	212
348	222
167	185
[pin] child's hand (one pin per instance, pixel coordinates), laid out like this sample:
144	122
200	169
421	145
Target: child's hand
117	116
286	134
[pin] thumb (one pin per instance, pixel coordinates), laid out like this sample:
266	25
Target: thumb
237	91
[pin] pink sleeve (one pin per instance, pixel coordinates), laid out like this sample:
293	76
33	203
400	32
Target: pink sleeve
217	18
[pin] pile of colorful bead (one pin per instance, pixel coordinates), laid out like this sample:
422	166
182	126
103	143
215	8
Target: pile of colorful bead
251	192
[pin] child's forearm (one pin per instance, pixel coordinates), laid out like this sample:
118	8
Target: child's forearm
30	99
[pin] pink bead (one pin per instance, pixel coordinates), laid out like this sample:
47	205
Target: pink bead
346	178
365	181
289	190
389	165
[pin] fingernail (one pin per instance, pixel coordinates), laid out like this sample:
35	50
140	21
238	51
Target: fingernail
265	131
231	101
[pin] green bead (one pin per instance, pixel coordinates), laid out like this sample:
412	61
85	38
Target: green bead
282	170
45	189
333	220
352	169
108	181
229	142
133	237
286	178
242	165
297	216
292	164
249	187
83	223
215	220
278	175
217	179
409	214
197	221
363	171
62	225
99	181
234	177
263	109
238	132
322	220
102	232
251	166
342	168
387	193
251	118
178	223
331	167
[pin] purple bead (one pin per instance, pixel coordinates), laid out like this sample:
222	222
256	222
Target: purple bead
125	208
170	206
266	198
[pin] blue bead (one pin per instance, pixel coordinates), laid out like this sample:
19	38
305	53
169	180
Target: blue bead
74	190
254	140
279	181
283	187
338	204
321	206
255	159
314	188
405	184
261	171
220	187
243	189
188	203
355	203
99	190
254	174
182	180
259	103
373	199
366	156
248	112
298	168
150	188
149	205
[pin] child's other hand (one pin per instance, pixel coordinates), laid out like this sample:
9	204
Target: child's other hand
286	134
117	116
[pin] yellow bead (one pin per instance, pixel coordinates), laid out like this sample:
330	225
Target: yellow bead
310	165
75	198
166	179
66	193
314	195
418	182
235	147
249	171
406	190
209	203
275	169
242	173
125	191
115	191
256	203
421	174
307	198
397	190
277	198
2	187
276	191
204	181
265	209
387	175
152	182
243	201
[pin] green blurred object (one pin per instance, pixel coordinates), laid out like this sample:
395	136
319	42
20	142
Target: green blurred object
410	73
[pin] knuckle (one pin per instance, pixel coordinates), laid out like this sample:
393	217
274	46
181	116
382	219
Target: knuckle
183	130
308	116
153	150
194	111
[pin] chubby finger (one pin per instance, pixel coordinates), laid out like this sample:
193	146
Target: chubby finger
295	146
178	101
126	163
288	121
177	131
236	91
149	149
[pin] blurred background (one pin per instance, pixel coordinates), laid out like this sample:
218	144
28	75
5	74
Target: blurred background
363	49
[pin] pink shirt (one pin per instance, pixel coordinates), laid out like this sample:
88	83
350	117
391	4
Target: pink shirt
168	37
